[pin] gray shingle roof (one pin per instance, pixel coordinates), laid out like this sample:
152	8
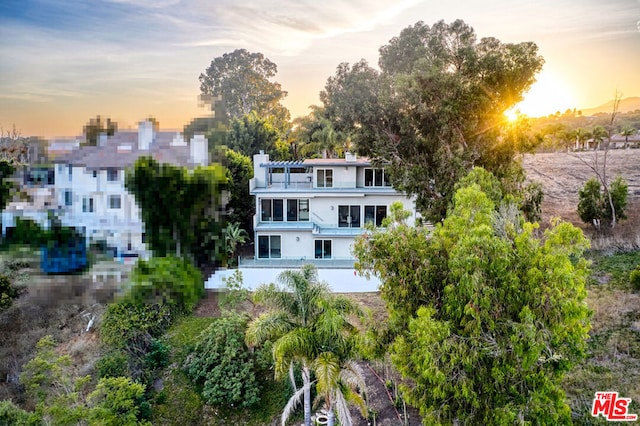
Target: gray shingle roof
121	151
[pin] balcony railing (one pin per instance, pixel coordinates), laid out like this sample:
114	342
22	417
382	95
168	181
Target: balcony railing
339	263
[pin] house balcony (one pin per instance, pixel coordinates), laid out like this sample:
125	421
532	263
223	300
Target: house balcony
297	262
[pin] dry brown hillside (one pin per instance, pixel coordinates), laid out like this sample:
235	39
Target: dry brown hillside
563	174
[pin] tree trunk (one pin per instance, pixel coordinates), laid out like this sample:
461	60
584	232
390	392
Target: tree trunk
331	418
306	378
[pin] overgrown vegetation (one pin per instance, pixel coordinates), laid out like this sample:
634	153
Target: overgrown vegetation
595	207
488	317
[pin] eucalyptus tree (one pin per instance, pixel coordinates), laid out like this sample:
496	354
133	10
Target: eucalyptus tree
242	80
436	107
303	320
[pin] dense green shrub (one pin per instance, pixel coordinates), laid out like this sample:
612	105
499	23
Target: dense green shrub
113	364
10	414
634	277
222	364
594	206
157	356
131	326
167	281
27	232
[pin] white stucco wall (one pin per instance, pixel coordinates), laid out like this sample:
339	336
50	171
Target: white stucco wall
340	280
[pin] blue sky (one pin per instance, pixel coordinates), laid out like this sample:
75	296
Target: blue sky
63	62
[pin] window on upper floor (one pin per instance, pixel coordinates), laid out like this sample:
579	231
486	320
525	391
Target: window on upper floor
112	175
272	210
114	201
68	198
87	204
324	178
322	249
70	170
375	177
375	214
269	246
349	216
298	210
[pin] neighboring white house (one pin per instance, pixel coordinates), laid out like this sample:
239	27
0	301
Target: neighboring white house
311	211
89	182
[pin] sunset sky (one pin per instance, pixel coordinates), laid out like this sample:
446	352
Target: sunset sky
65	61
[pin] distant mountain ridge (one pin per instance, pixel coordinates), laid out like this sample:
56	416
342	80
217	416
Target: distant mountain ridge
626	105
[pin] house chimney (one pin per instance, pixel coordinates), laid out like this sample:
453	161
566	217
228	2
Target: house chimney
102	139
259	172
178	140
350	157
199	150
145	135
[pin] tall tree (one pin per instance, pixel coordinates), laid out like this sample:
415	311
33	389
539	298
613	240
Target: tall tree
487	316
436	107
251	134
303	320
97	126
242	80
6	186
240	206
181	209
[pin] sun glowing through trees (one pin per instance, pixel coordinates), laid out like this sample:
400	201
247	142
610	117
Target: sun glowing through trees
547	95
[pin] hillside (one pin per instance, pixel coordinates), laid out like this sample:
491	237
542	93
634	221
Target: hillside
626	105
563	174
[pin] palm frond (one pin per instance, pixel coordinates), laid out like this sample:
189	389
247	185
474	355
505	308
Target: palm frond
268	326
341	408
327	369
298	344
293	402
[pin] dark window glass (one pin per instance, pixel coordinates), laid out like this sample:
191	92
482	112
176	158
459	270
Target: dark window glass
343	216
377	178
381	213
275	246
263	246
369	214
292	210
278	210
303	210
355	216
266	210
368	177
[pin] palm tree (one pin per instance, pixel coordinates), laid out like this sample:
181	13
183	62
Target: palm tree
303	320
338	385
599	134
233	236
581	136
626	132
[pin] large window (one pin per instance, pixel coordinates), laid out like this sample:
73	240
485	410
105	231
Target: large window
269	246
325	178
87	205
112	175
349	216
323	249
272	210
114	201
375	177
298	210
375	214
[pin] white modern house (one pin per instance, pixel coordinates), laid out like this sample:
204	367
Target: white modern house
89	190
311	211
